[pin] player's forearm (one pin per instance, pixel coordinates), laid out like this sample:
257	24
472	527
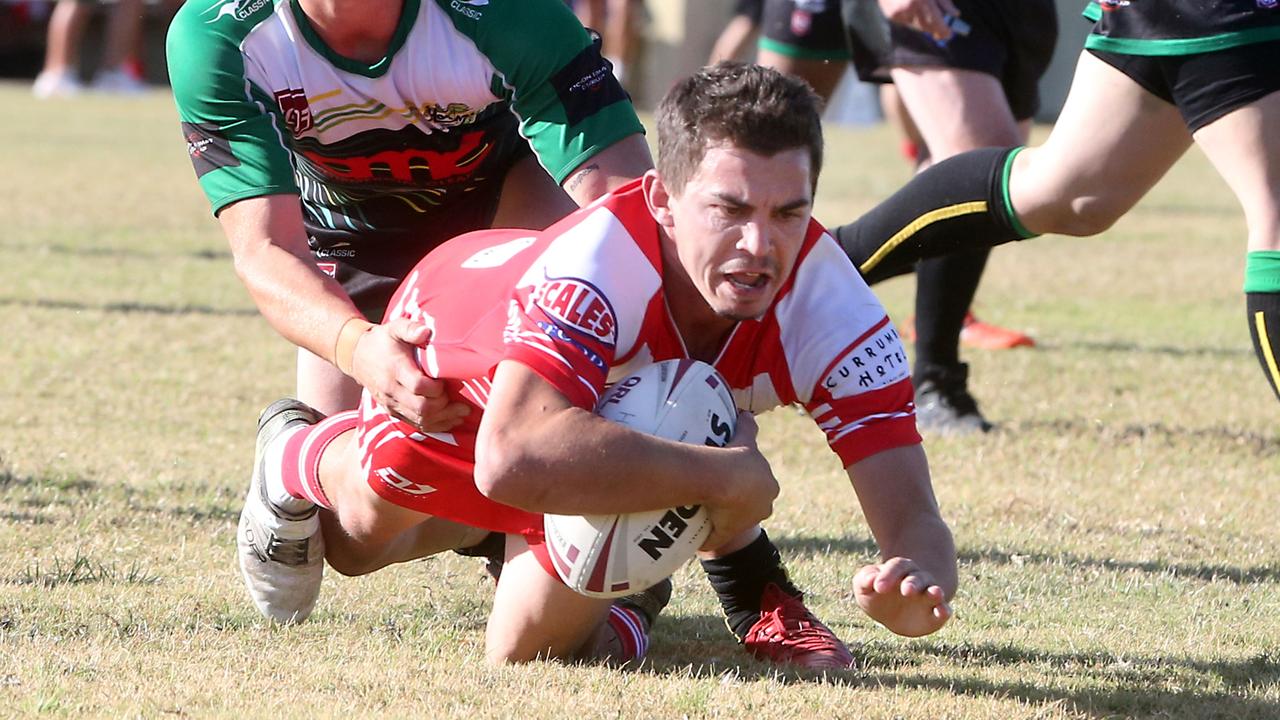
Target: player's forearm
578	463
609	169
297	300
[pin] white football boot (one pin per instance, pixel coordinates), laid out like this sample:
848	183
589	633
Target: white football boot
281	553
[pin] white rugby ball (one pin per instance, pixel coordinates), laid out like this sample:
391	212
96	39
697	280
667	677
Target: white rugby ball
610	556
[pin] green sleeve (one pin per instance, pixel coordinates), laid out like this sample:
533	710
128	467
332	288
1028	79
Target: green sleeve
233	132
569	103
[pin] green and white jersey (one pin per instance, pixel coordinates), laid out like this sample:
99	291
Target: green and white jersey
385	149
1180	27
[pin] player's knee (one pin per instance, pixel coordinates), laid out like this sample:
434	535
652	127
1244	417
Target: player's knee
1080	216
506	651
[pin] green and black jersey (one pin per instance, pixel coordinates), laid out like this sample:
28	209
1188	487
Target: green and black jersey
1180	27
387	147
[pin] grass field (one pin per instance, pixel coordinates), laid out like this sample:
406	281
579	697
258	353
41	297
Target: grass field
1119	543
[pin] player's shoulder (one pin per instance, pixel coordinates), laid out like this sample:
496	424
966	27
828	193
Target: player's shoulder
526	40
210	33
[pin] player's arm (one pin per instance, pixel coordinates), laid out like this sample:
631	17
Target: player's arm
909	589
311	310
609	169
537	451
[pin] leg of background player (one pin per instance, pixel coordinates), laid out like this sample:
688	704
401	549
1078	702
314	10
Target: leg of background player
1244	146
977	115
822	75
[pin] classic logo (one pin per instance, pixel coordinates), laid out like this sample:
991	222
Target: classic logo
297	112
238	9
577	304
878	361
208	148
468	7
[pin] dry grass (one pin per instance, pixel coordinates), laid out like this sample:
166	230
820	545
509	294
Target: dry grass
1120	555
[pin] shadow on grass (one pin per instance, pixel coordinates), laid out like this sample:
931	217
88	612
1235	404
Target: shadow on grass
864	548
1128	348
120	252
1255	443
1130	684
128	307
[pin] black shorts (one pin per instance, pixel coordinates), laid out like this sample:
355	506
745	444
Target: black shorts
1010	40
371	266
804	29
753	9
1204	86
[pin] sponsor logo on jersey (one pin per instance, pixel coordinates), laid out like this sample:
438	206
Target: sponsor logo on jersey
328	268
297	112
238	9
468	8
1112	5
402	483
406	165
445	117
208	148
576	304
586	84
876	362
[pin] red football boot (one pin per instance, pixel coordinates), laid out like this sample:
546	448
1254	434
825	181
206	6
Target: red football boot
788	634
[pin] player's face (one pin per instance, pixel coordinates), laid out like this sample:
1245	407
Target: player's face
738	224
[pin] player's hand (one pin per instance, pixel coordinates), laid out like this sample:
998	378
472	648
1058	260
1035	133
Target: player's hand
383	362
927	16
750	495
902	596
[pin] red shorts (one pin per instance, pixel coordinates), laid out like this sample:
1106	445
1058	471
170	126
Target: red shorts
433	473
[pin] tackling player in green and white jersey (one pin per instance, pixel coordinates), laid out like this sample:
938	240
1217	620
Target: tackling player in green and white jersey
340	140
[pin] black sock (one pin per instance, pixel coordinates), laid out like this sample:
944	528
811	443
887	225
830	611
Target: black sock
945	287
955	205
1264	328
739	579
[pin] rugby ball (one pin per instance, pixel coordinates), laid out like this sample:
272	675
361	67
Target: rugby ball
609	556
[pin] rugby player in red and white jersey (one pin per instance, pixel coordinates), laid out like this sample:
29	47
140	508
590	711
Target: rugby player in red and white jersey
713	256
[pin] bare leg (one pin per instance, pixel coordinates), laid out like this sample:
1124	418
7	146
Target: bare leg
1244	146
66	30
733	40
1113	141
123	30
535	615
822	75
364	533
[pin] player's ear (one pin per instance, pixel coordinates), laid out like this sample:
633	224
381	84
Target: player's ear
658	198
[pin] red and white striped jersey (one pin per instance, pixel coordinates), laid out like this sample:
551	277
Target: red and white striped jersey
581	304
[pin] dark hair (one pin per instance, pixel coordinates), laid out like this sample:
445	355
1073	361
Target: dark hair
751	107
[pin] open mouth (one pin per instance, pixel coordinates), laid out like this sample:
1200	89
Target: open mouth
747	280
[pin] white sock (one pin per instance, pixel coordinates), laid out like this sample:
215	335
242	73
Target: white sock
273	460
